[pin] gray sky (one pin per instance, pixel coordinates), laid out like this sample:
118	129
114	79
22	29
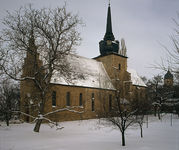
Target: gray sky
144	24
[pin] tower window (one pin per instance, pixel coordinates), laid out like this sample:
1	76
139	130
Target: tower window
68	99
54	98
119	66
81	100
92	102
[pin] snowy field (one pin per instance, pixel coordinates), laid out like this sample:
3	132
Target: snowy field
89	135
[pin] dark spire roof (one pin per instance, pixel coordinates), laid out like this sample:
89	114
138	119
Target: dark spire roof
109	35
168	75
108	45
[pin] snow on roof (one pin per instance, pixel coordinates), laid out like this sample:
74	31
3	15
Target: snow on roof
136	80
90	73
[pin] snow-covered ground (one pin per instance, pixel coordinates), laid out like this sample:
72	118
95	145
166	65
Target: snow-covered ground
89	135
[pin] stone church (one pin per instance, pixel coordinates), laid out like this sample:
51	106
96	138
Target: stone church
99	76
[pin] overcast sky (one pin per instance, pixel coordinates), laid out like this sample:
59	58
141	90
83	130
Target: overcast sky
144	24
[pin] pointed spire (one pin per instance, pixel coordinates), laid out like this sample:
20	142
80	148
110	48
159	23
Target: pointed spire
108	45
168	75
31	39
32	49
109	35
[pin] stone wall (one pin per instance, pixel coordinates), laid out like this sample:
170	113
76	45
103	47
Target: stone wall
86	108
116	67
119	76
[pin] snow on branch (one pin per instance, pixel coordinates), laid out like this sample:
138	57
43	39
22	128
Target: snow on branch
52	123
131	113
24	114
41	117
155	104
14	78
71	109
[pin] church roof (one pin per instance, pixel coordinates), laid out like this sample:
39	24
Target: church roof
136	80
88	73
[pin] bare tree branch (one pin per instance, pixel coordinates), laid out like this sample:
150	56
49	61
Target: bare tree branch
35	44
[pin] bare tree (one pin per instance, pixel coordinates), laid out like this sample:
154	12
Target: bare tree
118	112
155	88
121	116
172	54
142	107
45	37
163	97
140	121
9	99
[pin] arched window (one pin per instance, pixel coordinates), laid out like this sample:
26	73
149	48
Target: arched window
54	98
81	100
119	66
68	99
92	102
110	102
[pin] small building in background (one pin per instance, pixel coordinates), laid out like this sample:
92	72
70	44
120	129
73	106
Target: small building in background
168	79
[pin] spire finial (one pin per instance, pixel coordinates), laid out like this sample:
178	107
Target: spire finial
109	2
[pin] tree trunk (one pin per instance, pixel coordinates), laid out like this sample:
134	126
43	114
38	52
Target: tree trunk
141	131
7	118
159	115
123	139
147	121
39	121
155	111
37	125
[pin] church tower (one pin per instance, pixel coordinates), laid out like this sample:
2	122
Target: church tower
114	59
29	93
168	79
108	45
